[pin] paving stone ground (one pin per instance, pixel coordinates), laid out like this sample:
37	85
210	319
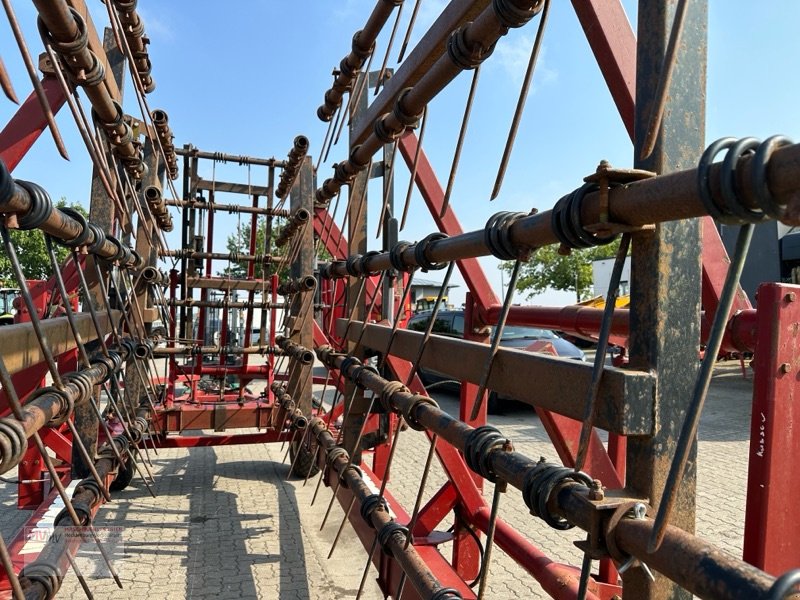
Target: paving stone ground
228	524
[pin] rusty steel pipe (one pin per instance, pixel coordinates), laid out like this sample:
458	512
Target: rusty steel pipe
191	303
711	573
133	29
469	46
740	333
15	199
234	350
419	575
299	218
660	199
43	577
48	405
155	201
223	283
297	286
66	31
292	166
166	137
362	46
229	208
266	259
232	158
152	276
288	411
295	351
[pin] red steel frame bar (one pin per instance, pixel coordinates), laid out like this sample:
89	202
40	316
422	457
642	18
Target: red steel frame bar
772	529
28	123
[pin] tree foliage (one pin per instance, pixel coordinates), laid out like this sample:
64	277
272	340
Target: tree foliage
547	269
32	253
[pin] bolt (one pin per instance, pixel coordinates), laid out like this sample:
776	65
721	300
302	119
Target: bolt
790	297
596	490
785	368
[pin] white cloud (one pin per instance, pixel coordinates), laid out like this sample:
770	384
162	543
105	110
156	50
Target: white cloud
154	27
512	55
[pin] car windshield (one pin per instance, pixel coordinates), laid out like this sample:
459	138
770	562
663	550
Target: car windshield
511	332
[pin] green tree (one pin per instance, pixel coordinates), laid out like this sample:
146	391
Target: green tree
32	253
239	241
547	269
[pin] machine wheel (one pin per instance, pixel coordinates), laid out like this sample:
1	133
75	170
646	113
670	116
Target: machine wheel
304	465
123	478
494	406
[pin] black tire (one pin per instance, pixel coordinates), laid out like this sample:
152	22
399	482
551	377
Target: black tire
494	406
305	464
124	477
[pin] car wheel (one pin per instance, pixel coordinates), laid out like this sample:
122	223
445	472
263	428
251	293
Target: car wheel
493	404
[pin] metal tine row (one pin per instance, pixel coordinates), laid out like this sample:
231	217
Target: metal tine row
59	384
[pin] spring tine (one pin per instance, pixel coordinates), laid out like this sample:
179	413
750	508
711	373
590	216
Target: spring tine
5	83
417	505
76	439
387	185
324	142
47	111
382	72
414	168
341	526
692	419
407	38
600	356
523	96
332	143
5	558
141	473
361	87
16	409
79	575
285	456
356	444
460	143
499	488
80	121
496	335
586	568
350	462
294	460
667	69
366	567
429	328
396	322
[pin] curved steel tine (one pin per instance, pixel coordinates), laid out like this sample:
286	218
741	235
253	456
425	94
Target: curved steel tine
600	355
407	37
497	334
411	180
460	143
5	83
667	69
523	96
47	110
382	72
691	421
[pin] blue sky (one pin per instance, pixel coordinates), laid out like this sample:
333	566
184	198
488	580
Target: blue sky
247	76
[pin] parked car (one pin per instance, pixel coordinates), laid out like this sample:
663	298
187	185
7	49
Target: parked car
451	323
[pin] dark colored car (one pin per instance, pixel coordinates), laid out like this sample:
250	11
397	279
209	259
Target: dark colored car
451	323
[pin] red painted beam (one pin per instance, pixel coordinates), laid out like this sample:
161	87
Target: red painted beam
613	43
28	123
197	441
772	529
